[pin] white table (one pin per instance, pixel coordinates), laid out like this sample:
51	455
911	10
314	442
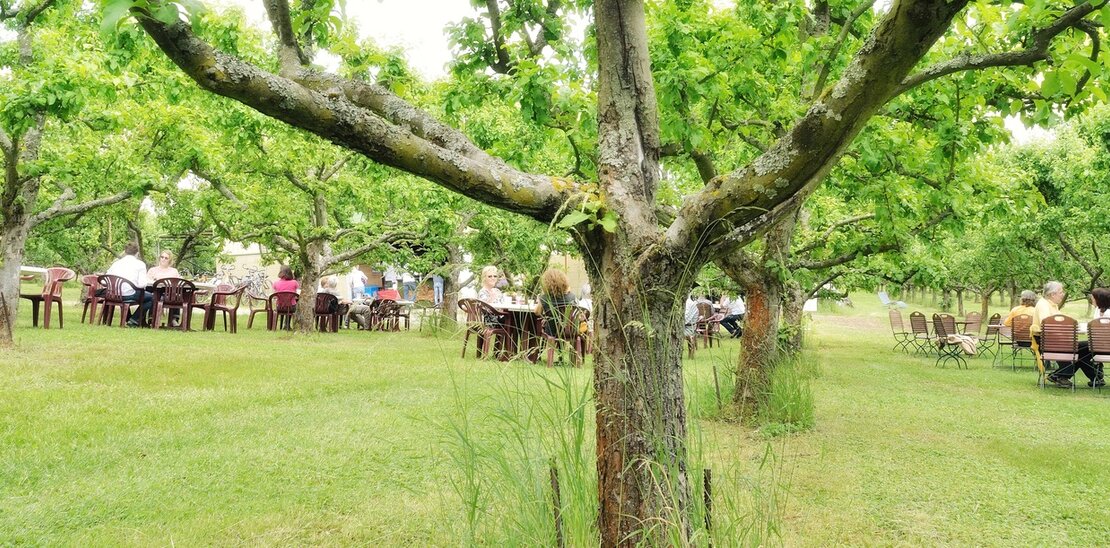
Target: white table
32	269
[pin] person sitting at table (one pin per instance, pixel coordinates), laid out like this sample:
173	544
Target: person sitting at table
731	321
554	300
285	281
1047	306
131	268
1100	300
330	285
489	293
1028	299
164	269
586	299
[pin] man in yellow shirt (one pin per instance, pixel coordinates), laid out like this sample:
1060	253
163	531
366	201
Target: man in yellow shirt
1047	306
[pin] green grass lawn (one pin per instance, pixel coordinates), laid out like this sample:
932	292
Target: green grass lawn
112	436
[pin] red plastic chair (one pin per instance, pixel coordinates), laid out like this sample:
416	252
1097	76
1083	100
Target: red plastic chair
708	326
89	299
569	333
51	293
327	313
283	308
225	301
113	298
486	334
252	300
174	294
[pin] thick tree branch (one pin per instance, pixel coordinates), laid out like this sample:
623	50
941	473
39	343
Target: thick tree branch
812	292
58	208
501	63
1037	51
735	208
289	50
217	184
336	118
1093	271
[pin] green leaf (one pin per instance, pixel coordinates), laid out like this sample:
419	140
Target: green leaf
572	218
1050	85
114	12
608	221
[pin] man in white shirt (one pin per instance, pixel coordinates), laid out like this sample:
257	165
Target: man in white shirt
357	280
408	285
133	269
730	322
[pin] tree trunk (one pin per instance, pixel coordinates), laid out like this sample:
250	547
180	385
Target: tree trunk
793	301
12	243
764	286
960	302
451	283
985	310
641	413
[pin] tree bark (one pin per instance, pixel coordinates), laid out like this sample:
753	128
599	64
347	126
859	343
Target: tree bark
960	301
793	301
764	287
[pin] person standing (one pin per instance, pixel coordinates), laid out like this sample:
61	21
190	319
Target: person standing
131	268
357	280
408	285
437	289
389	277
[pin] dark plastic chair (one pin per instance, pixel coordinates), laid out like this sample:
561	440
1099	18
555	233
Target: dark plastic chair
327	313
486	333
708	326
89	298
567	331
174	294
226	302
51	294
252	301
113	298
1098	336
283	309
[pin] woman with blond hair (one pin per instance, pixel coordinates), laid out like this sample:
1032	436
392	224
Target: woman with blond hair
489	293
554	300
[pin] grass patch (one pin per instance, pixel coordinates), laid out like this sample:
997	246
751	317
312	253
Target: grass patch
111	436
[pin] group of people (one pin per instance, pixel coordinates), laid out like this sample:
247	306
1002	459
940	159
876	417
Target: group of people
1048	305
131	268
731	321
554	298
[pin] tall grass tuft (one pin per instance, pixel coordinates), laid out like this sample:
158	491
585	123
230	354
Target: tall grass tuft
502	474
789	404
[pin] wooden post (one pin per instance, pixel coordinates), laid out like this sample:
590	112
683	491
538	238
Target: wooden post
707	492
556	499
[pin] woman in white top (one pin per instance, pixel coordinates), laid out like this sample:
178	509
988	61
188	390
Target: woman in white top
1100	299
164	268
